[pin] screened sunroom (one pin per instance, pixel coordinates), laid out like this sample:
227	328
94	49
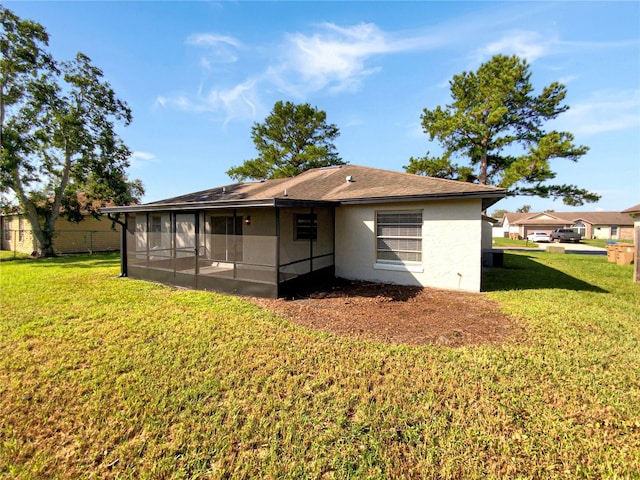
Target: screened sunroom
258	251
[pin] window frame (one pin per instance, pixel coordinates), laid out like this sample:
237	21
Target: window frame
310	226
399	263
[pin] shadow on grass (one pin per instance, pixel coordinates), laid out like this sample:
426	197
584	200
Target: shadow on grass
523	272
71	260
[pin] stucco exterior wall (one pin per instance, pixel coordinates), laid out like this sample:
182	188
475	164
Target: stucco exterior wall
90	235
451	245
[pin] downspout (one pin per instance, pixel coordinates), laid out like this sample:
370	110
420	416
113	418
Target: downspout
123	242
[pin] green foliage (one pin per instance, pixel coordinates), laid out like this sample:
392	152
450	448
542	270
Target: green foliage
524	209
292	139
60	153
499	213
496	123
108	377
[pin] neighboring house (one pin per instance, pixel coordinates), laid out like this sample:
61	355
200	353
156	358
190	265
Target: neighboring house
603	225
90	235
266	238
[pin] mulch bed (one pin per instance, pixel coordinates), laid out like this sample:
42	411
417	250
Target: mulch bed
398	314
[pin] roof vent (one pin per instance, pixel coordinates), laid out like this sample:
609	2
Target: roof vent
285	193
349	179
224	189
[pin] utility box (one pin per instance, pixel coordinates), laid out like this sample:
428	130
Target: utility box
612	252
492	258
625	254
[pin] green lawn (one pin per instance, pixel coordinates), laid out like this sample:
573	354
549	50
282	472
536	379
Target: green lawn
102	376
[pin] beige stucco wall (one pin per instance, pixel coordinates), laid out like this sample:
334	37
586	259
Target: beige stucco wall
451	245
90	235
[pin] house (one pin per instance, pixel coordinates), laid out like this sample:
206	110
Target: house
90	235
267	238
603	225
635	214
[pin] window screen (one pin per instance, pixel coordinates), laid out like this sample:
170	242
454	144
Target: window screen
399	237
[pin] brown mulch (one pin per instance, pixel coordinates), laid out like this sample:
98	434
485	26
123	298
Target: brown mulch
398	314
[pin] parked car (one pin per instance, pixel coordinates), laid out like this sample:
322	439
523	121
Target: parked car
538	237
565	235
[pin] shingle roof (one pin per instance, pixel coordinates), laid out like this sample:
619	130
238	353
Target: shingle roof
634	209
330	184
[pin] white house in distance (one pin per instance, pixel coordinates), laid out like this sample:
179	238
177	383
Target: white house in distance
267	238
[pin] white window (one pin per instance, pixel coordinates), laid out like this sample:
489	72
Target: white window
580	228
399	237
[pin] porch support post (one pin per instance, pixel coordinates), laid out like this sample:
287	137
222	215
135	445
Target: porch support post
124	260
277	252
196	227
311	242
123	242
173	241
235	233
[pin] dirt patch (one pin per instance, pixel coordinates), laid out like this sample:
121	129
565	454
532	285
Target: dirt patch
398	314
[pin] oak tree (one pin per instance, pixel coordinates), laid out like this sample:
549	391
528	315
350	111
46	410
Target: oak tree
292	139
60	154
497	124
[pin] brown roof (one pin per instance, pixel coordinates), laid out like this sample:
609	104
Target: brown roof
564	218
340	184
635	209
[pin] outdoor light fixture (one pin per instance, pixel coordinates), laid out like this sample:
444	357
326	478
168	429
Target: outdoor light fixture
247	221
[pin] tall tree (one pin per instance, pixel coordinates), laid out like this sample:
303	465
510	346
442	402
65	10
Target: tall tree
59	151
292	139
496	123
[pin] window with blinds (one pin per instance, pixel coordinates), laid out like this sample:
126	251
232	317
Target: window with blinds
306	227
399	237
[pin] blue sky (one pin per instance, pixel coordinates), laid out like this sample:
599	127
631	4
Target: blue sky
197	75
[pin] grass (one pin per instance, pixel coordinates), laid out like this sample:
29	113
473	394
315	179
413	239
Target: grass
507	242
601	242
116	378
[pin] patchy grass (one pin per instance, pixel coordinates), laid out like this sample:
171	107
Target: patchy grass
116	378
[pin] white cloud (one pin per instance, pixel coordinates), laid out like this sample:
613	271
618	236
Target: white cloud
219	49
211	39
142	159
605	111
524	44
336	57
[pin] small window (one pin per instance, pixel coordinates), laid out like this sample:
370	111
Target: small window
399	237
614	231
306	226
156	224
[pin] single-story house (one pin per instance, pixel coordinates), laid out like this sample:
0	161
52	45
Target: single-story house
603	225
90	235
266	238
